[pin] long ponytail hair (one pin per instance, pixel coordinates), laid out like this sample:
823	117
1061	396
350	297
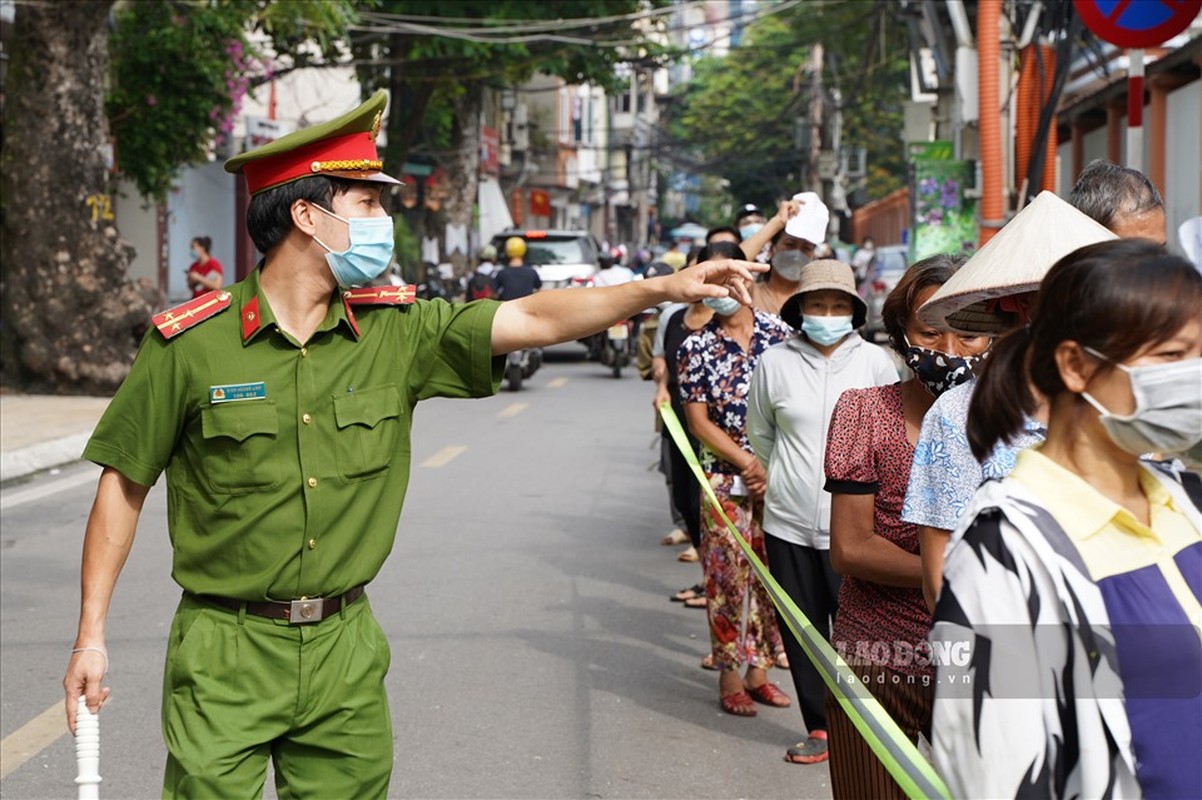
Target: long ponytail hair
1116	297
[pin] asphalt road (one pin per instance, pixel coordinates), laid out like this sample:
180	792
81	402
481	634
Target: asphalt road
534	650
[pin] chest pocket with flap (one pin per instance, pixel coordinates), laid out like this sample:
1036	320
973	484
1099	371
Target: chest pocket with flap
368	423
240	441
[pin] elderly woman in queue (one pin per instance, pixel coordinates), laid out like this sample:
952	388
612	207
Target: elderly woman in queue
1077	581
793	393
715	368
882	622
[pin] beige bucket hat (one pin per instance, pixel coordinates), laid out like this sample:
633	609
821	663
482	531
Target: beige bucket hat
825	273
1012	262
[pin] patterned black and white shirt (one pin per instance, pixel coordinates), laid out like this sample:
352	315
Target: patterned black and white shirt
1031	699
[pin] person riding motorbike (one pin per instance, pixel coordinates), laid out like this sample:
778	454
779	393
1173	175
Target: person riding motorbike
512	282
517	279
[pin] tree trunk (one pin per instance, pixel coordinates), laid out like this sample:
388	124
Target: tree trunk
71	316
463	166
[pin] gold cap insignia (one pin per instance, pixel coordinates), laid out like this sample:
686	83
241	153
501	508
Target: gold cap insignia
375	125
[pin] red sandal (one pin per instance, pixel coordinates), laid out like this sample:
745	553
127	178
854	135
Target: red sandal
739	704
770	695
813	750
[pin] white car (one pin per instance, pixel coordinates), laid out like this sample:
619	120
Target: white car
886	270
561	258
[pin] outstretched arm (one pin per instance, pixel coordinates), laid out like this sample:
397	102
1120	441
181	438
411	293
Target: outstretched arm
106	544
564	315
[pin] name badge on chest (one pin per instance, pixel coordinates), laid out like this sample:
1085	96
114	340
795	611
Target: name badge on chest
232	392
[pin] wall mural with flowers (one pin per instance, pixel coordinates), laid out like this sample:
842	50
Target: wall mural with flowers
945	221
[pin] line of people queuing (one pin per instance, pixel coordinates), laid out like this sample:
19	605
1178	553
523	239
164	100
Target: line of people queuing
1012	471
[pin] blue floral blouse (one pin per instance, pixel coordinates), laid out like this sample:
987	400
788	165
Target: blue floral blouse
944	474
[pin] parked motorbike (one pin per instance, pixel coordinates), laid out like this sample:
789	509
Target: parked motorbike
521	364
617	346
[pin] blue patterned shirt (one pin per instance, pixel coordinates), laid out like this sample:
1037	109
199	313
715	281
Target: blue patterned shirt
714	370
944	474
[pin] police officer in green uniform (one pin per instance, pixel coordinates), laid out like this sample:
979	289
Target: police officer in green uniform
280	410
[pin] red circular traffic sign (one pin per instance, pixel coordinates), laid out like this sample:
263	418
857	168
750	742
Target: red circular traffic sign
1137	23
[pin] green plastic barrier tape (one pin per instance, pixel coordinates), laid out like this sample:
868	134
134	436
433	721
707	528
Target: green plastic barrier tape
913	773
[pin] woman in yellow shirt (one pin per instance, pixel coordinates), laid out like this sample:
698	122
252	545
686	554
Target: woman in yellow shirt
1069	659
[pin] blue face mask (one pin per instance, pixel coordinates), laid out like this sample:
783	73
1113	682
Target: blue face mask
825	330
747	231
369	253
722	306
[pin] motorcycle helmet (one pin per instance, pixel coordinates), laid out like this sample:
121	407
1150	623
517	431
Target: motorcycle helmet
487	253
515	247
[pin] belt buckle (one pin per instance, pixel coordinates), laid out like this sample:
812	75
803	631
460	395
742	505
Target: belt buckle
306	609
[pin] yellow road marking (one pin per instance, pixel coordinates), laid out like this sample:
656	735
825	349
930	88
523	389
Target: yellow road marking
557	383
444	456
32	738
514	410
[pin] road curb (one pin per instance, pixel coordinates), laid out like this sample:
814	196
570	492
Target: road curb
35	458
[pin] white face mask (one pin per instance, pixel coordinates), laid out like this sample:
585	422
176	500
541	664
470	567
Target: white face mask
788	264
1168	409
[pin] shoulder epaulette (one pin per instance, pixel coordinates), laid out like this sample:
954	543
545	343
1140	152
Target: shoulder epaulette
175	321
380	296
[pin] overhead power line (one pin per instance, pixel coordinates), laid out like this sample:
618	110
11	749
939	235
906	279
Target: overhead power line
543	34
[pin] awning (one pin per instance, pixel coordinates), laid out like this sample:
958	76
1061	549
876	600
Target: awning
494	211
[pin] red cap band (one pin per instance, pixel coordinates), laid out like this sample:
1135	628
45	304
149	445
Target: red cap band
353	152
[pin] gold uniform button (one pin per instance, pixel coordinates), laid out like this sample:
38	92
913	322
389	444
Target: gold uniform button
312	544
306	418
304	352
313	483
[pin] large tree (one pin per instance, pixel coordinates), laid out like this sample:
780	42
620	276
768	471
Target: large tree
174	73
437	72
70	315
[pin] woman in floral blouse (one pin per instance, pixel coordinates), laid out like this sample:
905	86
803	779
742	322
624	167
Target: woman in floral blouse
882	622
715	366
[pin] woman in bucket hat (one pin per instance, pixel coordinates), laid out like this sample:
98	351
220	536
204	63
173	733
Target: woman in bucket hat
793	393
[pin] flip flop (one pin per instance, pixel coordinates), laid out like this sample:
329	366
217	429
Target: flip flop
689	555
738	704
696	602
675	537
708	662
770	695
812	751
685	595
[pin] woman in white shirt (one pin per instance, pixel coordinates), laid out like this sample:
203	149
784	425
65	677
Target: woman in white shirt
793	393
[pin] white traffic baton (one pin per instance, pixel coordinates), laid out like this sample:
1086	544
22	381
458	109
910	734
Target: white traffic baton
87	751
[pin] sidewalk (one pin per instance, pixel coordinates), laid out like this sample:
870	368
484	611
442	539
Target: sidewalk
38	432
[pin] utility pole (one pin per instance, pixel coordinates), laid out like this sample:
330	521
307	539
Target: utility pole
641	167
811	166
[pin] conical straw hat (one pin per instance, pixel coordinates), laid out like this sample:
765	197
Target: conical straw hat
1012	262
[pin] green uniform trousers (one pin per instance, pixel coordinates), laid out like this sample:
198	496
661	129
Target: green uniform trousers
238	689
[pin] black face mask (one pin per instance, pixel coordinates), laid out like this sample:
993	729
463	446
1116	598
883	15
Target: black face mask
938	371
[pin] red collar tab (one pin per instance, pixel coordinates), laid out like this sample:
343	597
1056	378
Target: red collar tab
174	321
380	296
250	318
350	315
349	153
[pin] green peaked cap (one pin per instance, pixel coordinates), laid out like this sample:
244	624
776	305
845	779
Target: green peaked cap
344	147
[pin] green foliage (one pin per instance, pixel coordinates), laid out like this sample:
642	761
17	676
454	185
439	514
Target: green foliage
426	72
181	69
738	115
406	247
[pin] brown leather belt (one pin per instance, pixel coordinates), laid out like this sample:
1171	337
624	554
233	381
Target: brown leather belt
304	610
